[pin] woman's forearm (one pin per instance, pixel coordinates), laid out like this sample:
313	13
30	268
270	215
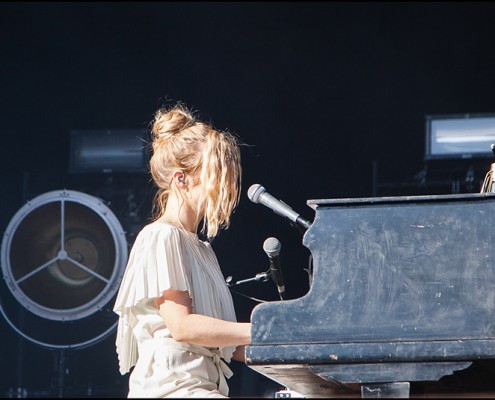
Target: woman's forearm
210	332
186	326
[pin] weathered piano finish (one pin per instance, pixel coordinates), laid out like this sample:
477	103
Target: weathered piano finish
402	294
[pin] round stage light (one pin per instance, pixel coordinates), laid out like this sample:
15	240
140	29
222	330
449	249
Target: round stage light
63	257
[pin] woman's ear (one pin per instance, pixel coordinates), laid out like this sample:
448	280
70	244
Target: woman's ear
180	177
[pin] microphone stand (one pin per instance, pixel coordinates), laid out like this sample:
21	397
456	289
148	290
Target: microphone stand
263	277
260	276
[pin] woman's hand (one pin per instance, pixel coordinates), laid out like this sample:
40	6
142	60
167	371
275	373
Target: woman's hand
240	353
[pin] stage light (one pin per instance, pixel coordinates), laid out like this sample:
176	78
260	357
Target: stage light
459	136
63	257
108	151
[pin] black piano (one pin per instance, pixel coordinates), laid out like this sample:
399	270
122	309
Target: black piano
401	301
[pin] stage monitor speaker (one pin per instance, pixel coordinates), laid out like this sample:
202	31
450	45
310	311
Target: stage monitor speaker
63	257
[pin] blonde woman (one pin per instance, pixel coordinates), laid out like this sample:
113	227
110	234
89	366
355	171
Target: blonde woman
177	325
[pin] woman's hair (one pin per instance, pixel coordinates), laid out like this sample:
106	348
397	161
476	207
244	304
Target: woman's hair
180	141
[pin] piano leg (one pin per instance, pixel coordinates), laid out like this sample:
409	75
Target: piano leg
385	390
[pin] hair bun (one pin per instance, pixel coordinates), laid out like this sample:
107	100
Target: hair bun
170	122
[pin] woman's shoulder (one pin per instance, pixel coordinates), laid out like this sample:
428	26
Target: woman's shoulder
156	231
157	227
160	231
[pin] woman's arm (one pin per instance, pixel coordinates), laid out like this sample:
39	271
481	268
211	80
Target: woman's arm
176	310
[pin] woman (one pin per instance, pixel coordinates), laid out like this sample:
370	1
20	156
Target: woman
177	323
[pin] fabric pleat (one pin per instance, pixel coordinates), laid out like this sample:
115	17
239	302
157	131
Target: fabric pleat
166	257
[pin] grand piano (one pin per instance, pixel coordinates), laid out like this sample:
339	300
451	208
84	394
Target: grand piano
401	302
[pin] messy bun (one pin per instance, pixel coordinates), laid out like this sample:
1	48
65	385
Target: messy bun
170	122
181	141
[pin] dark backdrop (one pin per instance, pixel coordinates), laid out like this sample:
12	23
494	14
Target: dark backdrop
317	90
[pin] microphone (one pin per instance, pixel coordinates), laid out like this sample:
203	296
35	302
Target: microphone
258	194
272	248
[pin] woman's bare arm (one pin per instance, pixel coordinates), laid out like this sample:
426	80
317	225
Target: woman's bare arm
175	309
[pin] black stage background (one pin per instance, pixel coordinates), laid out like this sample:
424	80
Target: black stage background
322	93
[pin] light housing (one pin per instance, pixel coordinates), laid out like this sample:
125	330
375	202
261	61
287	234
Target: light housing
459	136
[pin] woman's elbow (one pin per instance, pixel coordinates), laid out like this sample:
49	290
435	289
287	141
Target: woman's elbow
180	331
181	338
176	320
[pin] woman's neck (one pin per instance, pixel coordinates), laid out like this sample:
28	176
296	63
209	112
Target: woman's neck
179	213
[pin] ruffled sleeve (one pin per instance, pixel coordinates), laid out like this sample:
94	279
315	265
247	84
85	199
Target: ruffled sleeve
155	264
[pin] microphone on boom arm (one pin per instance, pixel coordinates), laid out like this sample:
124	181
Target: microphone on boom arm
258	194
272	248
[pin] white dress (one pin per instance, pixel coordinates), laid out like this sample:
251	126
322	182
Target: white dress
163	257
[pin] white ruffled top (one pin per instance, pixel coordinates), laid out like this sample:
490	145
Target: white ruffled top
163	257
